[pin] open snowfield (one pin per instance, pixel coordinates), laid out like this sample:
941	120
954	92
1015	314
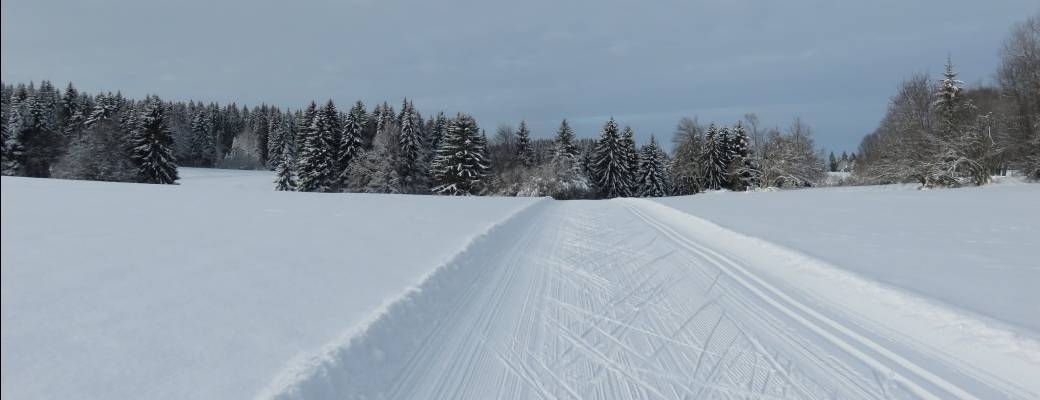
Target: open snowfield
206	290
242	292
974	248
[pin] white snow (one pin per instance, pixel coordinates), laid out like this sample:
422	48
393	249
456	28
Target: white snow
254	293
205	290
971	248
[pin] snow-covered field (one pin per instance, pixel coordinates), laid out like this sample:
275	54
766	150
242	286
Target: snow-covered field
974	248
205	290
222	288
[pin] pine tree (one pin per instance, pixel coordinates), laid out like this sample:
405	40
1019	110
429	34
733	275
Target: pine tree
201	146
564	148
832	163
152	145
652	175
39	138
353	139
312	162
628	141
440	128
461	163
743	171
713	160
725	140
71	115
410	148
524	152
274	138
261	129
12	151
285	157
609	164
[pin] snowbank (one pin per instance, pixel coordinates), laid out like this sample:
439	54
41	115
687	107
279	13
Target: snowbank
973	248
370	355
207	289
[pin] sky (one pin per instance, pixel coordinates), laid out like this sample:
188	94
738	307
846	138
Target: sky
832	63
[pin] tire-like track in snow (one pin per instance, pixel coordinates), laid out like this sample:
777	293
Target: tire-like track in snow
600	300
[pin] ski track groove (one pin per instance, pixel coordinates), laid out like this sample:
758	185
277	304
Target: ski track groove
575	307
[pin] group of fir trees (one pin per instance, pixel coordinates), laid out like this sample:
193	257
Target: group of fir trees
323	150
69	134
714	158
619	169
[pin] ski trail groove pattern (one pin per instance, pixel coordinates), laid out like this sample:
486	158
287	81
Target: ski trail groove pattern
590	301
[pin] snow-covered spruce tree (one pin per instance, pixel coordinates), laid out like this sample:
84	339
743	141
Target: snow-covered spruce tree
261	129
563	146
410	168
628	141
524	152
652	174
274	138
741	167
201	148
71	111
312	160
609	165
713	160
12	151
461	163
151	145
284	154
960	139
39	138
437	132
285	178
353	141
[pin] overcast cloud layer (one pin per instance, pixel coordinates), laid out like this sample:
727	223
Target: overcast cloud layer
647	63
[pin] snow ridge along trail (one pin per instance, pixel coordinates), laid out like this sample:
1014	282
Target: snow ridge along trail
605	300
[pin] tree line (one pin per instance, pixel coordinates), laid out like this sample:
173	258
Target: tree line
108	137
941	134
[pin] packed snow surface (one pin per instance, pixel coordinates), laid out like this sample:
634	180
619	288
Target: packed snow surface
974	248
207	289
245	292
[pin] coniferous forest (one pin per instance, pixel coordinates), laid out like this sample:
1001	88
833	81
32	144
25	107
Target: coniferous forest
935	133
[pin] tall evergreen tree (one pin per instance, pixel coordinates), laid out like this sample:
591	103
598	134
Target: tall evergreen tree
742	167
410	148
285	159
524	152
652	175
439	129
201	147
461	163
564	148
609	163
312	162
152	145
628	141
13	151
261	130
713	160
353	141
39	137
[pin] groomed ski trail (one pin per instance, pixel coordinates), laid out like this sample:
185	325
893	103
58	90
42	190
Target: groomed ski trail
603	300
